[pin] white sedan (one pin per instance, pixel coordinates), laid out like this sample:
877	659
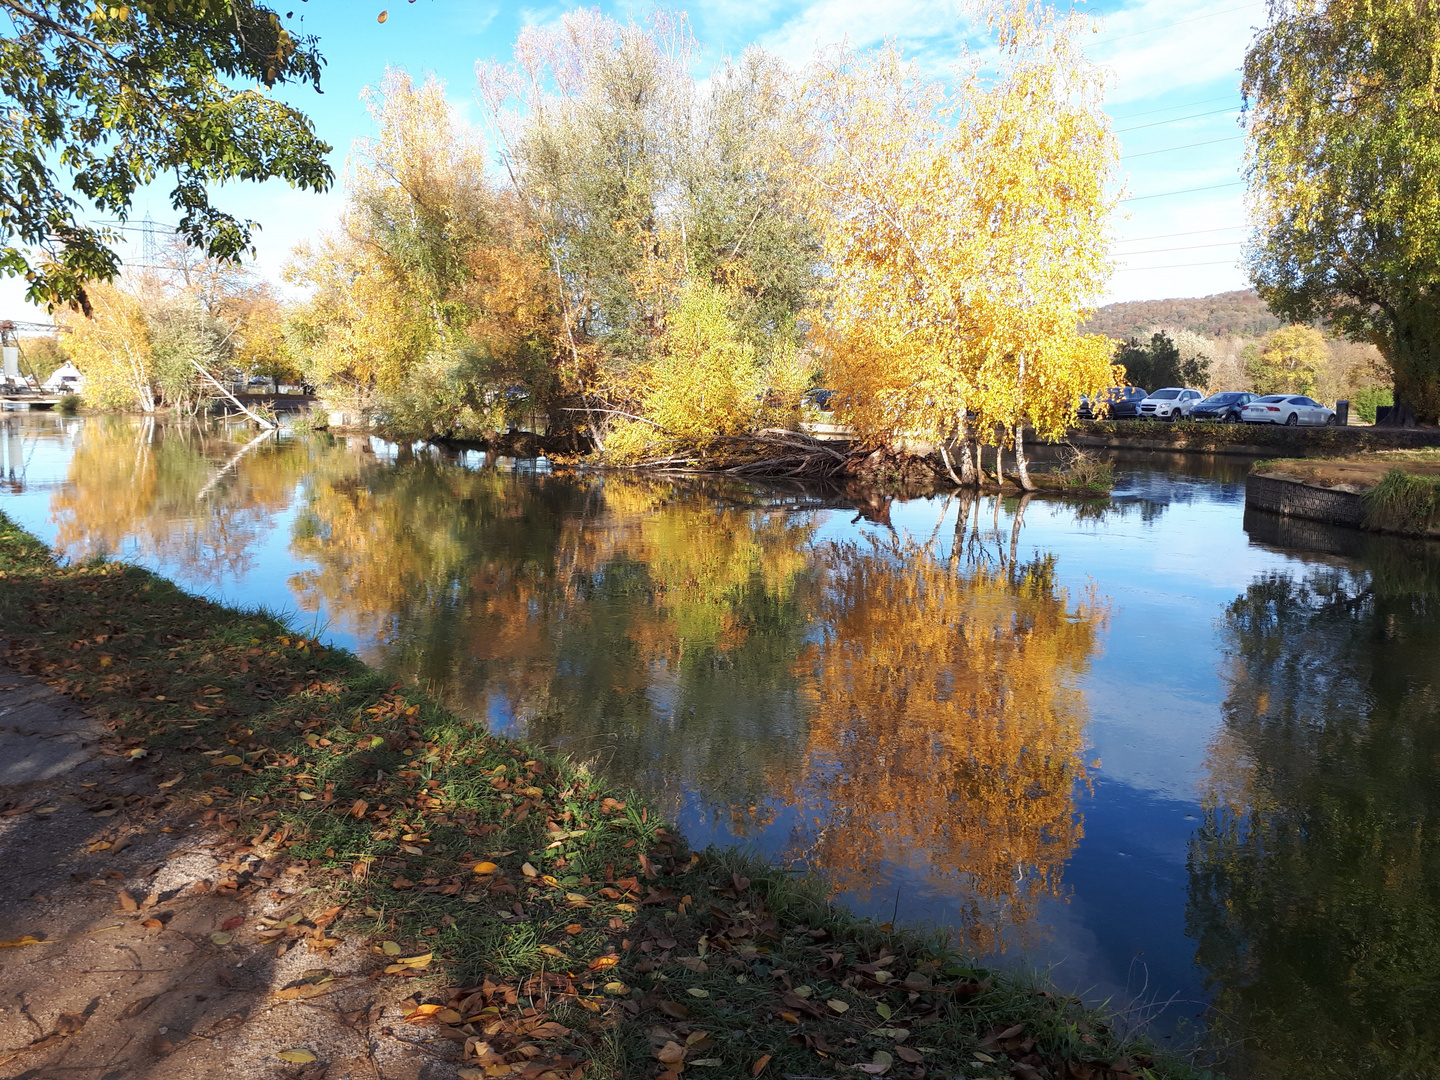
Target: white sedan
1173	403
1291	410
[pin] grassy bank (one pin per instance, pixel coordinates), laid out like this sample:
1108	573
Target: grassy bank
1400	489
552	925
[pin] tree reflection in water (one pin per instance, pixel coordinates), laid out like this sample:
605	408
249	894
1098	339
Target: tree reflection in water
1315	879
911	705
184	493
946	726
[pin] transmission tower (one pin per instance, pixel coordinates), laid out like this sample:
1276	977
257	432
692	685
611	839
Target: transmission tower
148	253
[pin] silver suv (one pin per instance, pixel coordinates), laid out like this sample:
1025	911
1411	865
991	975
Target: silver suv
1172	403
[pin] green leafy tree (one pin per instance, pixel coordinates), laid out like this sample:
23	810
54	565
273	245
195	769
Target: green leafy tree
97	100
1288	361
1159	363
1344	169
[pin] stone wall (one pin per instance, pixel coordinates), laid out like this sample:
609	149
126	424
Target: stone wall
1291	498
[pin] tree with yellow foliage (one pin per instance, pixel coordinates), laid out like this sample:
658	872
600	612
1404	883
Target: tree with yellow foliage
964	233
114	350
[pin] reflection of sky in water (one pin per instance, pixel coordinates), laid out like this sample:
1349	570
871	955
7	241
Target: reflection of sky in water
1168	558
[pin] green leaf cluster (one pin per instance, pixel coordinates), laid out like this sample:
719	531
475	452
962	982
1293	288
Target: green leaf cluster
96	101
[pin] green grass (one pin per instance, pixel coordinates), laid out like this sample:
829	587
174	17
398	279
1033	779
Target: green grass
1403	503
597	918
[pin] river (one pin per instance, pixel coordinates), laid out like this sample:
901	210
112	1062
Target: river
1178	757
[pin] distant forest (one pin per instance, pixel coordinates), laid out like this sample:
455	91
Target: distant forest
1230	314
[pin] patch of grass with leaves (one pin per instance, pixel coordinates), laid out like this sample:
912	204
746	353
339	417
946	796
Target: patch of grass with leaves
549	924
1403	503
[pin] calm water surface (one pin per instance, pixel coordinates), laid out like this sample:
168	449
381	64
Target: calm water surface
1179	756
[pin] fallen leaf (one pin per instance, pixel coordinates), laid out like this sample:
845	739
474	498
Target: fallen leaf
423	1013
914	1057
706	1062
791	1017
358	808
673	1009
760	1063
152	924
837	1005
220	937
391	948
233	922
234	759
529	871
698	991
128	902
671	1053
485	868
980	1055
297	1056
15	943
551	950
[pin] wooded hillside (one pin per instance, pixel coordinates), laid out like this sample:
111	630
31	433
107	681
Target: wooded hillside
1231	314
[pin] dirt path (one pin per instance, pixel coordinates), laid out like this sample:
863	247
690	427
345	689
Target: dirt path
151	962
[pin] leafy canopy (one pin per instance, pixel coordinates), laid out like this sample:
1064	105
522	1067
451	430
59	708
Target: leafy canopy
1344	167
96	101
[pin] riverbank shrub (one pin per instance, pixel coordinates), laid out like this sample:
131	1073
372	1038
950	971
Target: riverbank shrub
1402	502
610	942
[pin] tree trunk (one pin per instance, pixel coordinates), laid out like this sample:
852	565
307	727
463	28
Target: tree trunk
1413	350
1020	467
1016	524
999	466
967	460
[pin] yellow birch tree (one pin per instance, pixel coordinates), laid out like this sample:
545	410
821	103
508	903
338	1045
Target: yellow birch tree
964	231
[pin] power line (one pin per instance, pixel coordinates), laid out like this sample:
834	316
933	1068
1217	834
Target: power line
1184	191
1192	232
1187	247
1172	108
1174	120
1187	146
1172	266
1177	22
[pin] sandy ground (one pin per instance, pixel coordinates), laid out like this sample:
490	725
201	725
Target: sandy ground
151	961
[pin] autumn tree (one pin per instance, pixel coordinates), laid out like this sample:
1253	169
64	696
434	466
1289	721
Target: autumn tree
1288	361
646	192
429	300
114	350
1159	362
964	235
99	100
1344	171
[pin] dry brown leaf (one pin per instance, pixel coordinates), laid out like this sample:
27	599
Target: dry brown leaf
128	902
760	1063
671	1053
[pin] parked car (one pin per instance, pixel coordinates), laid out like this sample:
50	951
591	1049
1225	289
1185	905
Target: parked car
1173	403
1226	407
1117	403
1292	410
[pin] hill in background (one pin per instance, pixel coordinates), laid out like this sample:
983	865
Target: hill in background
1231	314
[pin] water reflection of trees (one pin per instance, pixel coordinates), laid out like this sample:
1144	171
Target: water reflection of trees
174	491
946	725
645	623
1315	879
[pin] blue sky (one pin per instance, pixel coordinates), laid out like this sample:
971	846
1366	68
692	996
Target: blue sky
1175	67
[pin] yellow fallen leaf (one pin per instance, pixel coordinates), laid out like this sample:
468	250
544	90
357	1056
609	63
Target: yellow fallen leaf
838	1005
423	1012
390	948
15	943
220	937
297	1056
696	991
616	988
307	795
234	759
485	868
553	882
986	1058
551	950
102	845
417	961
